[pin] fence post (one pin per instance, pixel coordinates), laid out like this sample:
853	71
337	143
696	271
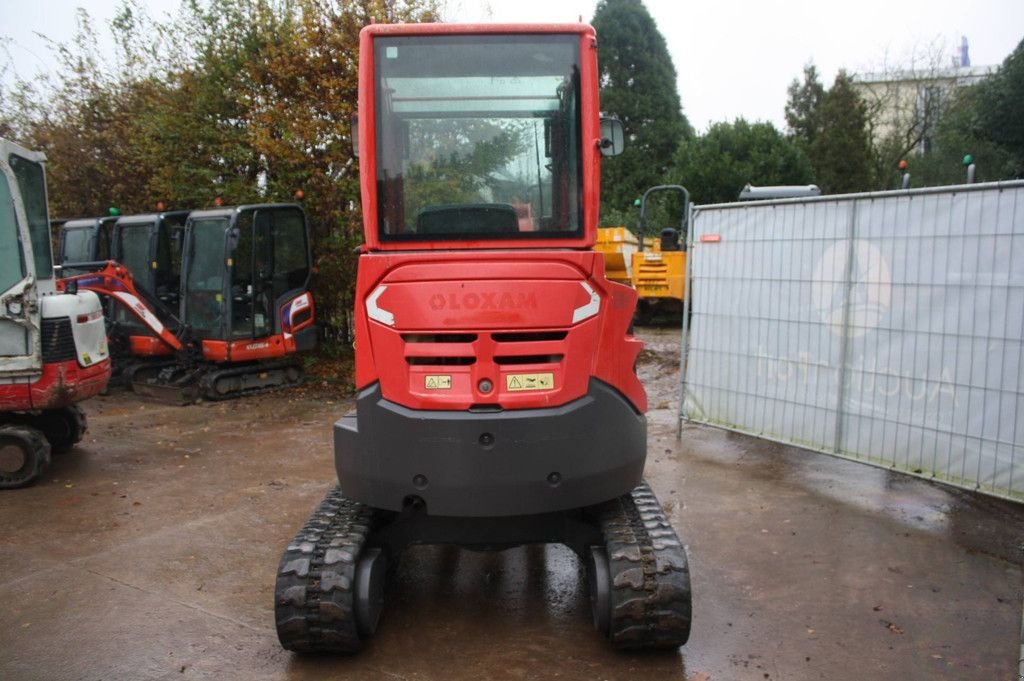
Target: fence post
684	340
844	339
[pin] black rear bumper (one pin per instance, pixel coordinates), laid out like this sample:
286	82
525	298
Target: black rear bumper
468	464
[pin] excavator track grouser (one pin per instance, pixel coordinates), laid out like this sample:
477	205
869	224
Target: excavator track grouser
644	569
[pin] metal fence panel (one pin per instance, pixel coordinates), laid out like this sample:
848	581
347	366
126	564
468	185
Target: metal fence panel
883	327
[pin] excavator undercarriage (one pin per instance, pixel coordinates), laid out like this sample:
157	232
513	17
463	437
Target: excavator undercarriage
331	579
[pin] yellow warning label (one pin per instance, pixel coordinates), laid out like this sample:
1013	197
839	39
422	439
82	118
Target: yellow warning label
520	382
438	382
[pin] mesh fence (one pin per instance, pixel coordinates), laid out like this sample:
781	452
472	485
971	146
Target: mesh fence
885	328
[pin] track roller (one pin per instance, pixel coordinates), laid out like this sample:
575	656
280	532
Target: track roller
371	574
599	581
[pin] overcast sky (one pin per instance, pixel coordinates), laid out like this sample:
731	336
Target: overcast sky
734	58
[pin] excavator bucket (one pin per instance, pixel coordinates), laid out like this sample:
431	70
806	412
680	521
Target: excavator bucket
167	393
169	384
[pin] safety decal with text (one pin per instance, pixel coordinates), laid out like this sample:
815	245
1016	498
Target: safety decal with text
521	382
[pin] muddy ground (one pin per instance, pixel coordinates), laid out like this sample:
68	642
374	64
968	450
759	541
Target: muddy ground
149	552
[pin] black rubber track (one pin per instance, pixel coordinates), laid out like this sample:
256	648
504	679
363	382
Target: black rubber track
207	384
650	596
315	591
188	390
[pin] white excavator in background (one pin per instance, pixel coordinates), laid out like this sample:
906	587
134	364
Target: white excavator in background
53	346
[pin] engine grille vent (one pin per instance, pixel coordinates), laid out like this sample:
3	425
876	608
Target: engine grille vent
58	341
463	349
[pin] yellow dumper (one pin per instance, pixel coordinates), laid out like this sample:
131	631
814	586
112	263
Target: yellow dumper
619	247
656	268
659	272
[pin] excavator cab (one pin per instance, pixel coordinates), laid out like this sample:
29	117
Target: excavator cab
245	280
82	243
149	246
457	162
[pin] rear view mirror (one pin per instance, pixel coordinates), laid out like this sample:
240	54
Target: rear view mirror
613	137
354	134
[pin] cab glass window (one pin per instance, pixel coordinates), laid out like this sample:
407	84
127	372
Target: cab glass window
75	245
12	266
32	183
478	137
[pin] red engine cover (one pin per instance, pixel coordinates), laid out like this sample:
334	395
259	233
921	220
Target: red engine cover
438	328
61	384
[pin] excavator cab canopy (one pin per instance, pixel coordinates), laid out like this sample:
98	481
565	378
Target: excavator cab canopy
479	140
149	245
83	242
240	265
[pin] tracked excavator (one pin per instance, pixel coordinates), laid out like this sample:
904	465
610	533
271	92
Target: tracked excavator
53	347
149	247
245	310
497	400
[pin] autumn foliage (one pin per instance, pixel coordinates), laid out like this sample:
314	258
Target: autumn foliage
249	100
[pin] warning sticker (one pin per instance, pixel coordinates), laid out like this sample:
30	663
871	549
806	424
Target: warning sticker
520	382
438	382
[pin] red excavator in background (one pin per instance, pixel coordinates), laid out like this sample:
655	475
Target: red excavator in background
53	348
245	307
497	400
149	247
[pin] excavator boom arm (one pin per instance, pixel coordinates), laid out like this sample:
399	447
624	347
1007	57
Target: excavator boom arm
116	281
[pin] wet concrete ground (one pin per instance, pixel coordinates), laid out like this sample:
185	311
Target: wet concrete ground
149	552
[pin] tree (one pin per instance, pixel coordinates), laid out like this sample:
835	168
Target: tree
802	107
246	99
638	84
957	135
717	165
831	127
1000	103
841	152
943	122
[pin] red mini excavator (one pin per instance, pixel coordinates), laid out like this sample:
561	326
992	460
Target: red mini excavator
245	308
149	247
497	400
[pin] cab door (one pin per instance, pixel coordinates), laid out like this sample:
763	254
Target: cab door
20	348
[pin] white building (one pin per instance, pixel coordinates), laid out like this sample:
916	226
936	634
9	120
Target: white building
905	105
